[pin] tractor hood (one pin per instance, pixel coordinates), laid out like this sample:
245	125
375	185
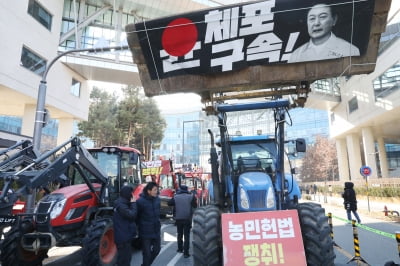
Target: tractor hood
255	192
70	191
254	180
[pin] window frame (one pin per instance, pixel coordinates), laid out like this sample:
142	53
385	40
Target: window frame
42	67
36	10
76	91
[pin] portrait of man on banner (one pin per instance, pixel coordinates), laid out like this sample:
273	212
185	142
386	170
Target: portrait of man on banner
323	19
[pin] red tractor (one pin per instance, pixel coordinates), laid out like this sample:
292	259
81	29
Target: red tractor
80	213
197	183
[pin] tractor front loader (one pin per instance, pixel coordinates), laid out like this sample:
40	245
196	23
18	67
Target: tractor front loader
18	155
78	213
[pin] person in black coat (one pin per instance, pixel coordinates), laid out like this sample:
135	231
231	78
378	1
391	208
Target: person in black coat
124	225
184	202
149	224
350	201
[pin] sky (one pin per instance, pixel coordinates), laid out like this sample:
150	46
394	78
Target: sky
173	103
170	103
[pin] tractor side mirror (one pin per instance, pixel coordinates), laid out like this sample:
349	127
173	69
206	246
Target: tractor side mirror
300	145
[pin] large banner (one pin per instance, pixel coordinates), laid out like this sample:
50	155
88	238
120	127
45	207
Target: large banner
255	33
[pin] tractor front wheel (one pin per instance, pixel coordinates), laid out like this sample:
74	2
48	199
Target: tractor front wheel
98	245
13	254
318	244
207	236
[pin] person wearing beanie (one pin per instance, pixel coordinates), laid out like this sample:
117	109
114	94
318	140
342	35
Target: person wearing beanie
350	201
124	217
184	202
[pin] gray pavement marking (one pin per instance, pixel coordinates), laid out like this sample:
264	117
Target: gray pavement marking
175	259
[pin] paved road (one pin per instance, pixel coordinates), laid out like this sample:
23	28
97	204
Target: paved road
167	257
375	236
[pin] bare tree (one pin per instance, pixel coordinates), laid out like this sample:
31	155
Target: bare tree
320	161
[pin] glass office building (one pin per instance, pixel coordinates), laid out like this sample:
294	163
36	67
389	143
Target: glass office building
187	141
181	141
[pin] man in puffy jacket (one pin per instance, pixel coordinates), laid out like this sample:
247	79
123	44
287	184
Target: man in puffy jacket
184	202
149	223
124	225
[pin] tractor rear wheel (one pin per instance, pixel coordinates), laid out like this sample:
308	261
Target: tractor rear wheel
12	252
98	247
207	236
318	244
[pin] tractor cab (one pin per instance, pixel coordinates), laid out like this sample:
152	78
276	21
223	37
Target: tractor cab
253	153
121	165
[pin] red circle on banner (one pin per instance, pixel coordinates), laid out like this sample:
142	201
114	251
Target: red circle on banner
179	37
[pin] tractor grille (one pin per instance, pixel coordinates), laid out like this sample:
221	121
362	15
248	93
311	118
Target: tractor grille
257	198
43	209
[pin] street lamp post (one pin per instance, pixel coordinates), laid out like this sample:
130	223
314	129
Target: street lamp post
40	108
41	100
183	137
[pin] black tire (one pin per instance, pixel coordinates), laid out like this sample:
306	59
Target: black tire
318	244
12	253
98	247
207	236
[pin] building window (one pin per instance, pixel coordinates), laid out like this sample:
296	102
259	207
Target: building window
40	14
353	104
387	83
32	61
76	88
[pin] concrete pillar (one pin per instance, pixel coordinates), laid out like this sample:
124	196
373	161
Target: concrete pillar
65	129
343	162
369	150
383	158
354	152
28	120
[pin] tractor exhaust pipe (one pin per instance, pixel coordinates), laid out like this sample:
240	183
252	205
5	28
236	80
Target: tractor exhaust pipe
214	172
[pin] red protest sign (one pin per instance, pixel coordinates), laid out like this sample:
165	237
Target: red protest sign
263	238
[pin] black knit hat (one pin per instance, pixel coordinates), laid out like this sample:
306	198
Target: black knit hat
126	192
184	189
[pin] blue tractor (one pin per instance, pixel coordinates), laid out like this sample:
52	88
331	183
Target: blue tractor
249	176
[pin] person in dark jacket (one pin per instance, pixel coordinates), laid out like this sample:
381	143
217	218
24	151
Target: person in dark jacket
184	202
124	225
350	201
149	224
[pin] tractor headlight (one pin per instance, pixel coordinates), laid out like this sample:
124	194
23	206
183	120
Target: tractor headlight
270	199
244	200
57	208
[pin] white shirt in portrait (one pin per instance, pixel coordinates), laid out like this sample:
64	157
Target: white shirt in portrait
334	47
